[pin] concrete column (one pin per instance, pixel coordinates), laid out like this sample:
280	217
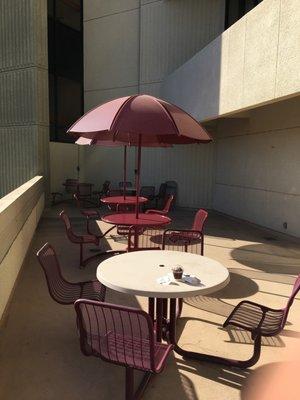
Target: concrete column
24	120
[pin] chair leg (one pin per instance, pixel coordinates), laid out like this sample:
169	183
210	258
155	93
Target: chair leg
179	307
129	384
202	245
130	394
151	305
88	226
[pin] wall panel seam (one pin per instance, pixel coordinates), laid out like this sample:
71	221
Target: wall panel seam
259	132
277	51
109	15
258	189
111	88
18	68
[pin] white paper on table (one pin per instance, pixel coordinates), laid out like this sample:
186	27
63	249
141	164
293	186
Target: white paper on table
169	278
164	280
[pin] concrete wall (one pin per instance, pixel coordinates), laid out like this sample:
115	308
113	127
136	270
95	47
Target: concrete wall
129	47
23	92
20	212
254	62
64	159
257	171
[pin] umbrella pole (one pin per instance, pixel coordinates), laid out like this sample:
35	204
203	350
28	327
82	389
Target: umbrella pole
124	172
138	178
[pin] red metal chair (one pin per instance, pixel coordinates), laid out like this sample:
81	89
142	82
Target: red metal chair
166	208
62	291
88	214
148	191
78	239
104	191
188	237
122	336
143	242
70	186
260	321
161	195
84	194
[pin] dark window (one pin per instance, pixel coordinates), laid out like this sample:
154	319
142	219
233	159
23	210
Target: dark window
236	9
65	56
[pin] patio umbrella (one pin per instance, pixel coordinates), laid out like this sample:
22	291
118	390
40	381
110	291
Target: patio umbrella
139	120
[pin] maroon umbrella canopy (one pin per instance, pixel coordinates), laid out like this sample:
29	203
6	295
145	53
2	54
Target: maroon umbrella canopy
139	120
127	118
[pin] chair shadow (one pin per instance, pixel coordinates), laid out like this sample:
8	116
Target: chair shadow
228	376
236	335
194	247
244	337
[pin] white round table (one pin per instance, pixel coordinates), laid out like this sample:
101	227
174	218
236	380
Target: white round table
138	272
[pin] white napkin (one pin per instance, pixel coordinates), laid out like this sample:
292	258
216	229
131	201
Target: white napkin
191	279
164	280
169	278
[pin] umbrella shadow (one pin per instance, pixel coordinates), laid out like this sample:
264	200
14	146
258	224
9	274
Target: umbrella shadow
268	258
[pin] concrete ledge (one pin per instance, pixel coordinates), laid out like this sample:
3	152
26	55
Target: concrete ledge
253	63
20	212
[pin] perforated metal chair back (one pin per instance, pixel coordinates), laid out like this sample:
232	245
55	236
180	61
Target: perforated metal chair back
84	190
117	334
60	290
66	220
71	185
148	191
162	191
105	188
145	238
199	220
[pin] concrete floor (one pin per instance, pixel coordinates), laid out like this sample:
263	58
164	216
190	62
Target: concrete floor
39	349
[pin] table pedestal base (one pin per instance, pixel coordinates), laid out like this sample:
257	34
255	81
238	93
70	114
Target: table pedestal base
166	329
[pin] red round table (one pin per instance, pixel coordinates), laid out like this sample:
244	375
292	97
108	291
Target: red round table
127	200
121	200
129	219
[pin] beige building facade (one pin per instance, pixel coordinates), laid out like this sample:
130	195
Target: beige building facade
242	83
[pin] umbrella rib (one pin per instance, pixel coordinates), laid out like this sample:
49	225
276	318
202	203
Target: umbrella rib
197	122
119	112
170	116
